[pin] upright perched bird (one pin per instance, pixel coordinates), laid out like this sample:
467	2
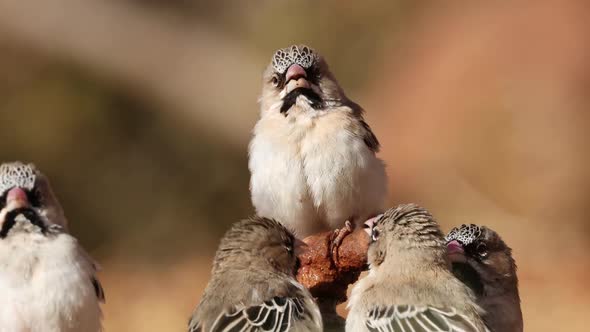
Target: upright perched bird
253	287
312	158
47	281
409	286
483	261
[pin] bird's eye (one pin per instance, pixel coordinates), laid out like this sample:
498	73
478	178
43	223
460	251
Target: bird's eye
315	73
275	80
288	248
35	197
482	250
375	234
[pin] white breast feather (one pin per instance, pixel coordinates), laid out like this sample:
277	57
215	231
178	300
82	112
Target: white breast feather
46	285
312	173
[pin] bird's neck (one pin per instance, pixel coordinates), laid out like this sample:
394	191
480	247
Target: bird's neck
240	265
502	313
409	262
501	288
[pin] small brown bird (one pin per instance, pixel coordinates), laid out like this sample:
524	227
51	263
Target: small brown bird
313	157
409	286
483	261
253	287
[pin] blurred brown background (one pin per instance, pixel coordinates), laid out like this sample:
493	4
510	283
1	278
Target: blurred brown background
140	112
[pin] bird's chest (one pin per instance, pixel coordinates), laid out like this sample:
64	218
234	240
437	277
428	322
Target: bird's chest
309	168
19	262
330	150
41	284
312	149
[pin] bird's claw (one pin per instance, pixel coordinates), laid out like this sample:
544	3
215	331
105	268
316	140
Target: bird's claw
337	238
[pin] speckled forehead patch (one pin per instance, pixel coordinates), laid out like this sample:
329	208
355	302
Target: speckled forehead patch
16	174
465	234
301	55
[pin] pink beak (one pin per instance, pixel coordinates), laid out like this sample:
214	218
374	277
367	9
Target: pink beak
369	224
455	251
17	198
295	72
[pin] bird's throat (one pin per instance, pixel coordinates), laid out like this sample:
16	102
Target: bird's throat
469	276
315	101
29	214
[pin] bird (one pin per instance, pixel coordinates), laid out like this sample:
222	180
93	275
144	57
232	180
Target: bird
483	261
253	285
409	286
47	280
312	156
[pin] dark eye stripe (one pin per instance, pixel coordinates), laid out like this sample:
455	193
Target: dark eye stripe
3	201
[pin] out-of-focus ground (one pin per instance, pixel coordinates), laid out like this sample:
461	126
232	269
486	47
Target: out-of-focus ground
140	112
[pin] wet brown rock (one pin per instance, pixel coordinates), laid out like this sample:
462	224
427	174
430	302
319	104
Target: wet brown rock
327	277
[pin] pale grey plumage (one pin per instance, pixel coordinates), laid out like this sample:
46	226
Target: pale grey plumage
47	281
409	286
252	283
483	261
